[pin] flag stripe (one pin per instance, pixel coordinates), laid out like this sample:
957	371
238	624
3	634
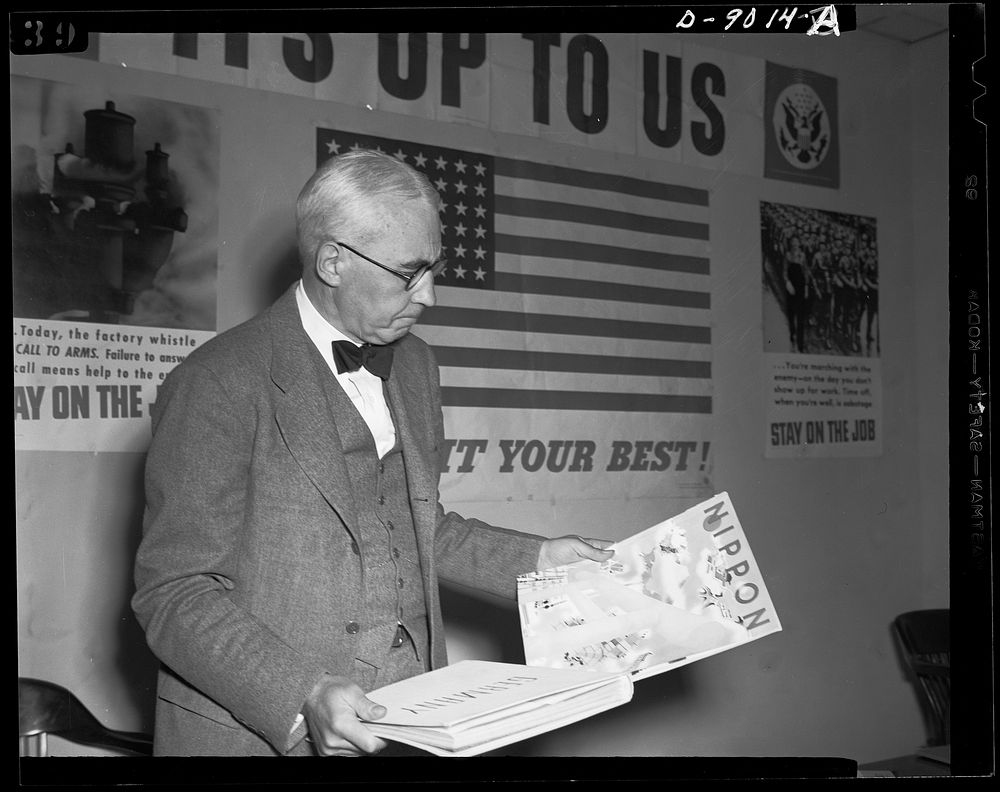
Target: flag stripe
588	215
611	182
568	194
559	361
599	290
503	379
512	398
599	235
555	248
548	305
598	271
569	325
474	337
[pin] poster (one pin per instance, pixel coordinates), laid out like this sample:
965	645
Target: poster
574	340
81	386
652	95
114	234
802	139
823	383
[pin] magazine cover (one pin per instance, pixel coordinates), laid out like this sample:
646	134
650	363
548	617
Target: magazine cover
684	589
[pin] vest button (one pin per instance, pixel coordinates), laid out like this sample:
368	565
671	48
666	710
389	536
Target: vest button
395	552
400	582
381	500
390	526
352	627
381	467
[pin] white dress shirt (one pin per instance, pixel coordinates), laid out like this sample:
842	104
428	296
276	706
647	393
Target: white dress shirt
363	387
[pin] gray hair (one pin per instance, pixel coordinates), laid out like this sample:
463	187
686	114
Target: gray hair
329	203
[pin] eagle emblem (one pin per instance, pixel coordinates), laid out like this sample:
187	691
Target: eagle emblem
801	126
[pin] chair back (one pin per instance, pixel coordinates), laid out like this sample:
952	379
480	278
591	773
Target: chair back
924	637
45	708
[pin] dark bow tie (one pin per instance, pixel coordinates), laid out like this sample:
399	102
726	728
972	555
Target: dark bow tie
349	357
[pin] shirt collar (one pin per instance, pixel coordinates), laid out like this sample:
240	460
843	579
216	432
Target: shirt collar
319	330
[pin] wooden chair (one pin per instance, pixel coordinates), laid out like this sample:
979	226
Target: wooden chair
45	708
924	637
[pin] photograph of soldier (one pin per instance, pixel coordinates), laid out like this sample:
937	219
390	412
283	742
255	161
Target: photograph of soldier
869	289
820	272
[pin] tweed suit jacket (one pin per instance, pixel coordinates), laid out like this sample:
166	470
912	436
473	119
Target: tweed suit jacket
245	578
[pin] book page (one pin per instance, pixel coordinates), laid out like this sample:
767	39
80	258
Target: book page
678	591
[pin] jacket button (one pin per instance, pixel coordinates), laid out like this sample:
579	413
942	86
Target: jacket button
352	627
381	500
390	526
400	581
355	549
395	552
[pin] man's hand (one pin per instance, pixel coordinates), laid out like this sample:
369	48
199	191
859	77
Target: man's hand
333	710
567	549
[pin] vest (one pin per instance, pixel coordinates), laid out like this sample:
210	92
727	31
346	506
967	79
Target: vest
392	595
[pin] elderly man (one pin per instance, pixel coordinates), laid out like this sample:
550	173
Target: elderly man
293	539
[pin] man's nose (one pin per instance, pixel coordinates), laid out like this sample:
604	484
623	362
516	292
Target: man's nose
423	292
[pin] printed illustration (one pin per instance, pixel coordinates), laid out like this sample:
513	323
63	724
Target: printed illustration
820	272
680	590
801	136
114	203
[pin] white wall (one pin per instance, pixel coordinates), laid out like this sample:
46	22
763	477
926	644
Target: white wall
845	544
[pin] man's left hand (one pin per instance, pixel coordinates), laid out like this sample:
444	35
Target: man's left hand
567	549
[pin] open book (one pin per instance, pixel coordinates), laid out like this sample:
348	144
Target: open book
475	706
677	592
686	588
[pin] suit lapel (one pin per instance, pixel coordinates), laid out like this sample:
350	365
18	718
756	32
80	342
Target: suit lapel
303	413
306	423
409	403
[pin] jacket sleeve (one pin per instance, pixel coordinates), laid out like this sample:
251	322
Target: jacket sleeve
482	556
471	552
185	566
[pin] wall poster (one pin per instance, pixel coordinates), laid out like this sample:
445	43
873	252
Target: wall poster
574	340
821	333
114	226
801	136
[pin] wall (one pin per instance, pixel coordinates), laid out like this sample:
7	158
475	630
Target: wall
845	544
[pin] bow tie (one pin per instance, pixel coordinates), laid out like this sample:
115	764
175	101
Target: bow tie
349	357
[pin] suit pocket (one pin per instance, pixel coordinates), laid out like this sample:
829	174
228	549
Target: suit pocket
365	674
173	691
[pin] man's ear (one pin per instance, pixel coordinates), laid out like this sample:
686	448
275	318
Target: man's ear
327	263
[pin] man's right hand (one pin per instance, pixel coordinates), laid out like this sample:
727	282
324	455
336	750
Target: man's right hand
332	712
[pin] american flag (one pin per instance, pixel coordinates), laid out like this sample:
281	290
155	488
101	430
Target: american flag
566	289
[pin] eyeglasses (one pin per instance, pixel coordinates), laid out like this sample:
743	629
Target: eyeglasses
412	278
